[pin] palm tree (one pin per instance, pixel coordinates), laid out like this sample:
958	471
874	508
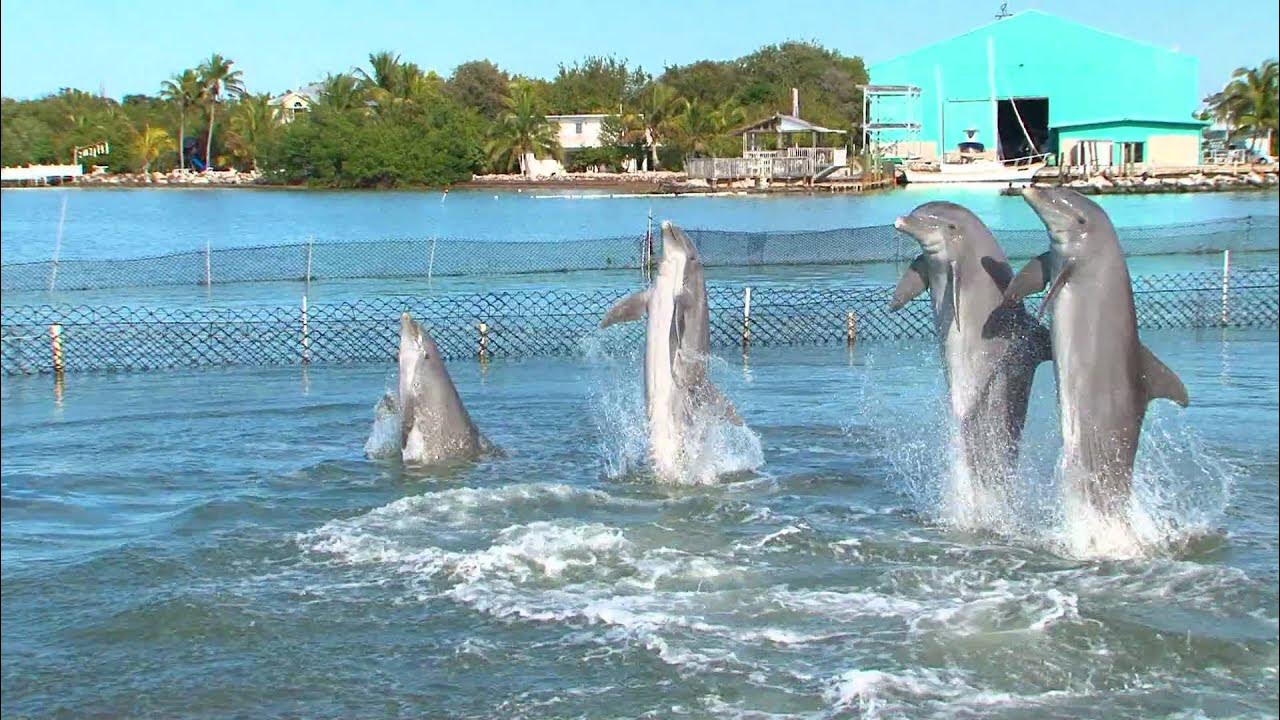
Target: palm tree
1250	102
149	144
660	106
522	130
186	91
217	78
340	93
253	125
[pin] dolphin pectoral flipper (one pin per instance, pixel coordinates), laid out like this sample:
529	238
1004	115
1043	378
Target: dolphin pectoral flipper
628	309
1160	381
1031	279
914	281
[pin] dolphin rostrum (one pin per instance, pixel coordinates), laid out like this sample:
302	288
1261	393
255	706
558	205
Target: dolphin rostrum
990	350
1105	375
677	345
434	424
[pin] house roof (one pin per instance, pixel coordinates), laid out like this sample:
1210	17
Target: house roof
1191	122
577	116
310	93
785	124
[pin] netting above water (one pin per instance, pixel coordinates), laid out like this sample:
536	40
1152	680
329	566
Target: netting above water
536	323
424	258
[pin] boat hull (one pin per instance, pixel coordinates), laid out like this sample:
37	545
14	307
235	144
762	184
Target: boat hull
973	173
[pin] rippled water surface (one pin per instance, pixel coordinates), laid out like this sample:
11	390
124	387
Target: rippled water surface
214	544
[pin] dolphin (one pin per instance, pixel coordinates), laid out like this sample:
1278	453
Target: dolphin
677	345
990	350
434	424
1105	375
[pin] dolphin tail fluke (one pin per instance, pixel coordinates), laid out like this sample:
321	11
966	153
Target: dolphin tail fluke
1031	279
1160	381
628	309
914	281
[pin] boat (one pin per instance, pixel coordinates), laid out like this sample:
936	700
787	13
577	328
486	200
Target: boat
971	164
1018	171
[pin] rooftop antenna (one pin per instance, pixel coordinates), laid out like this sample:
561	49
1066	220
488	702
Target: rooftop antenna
1004	11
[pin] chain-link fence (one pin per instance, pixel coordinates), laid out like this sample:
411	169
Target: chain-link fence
555	322
410	258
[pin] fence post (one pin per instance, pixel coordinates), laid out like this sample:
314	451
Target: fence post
850	329
746	318
57	244
310	241
55	341
208	268
306	334
646	252
431	261
1226	286
483	353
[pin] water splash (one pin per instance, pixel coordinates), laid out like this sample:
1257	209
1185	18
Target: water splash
712	446
384	437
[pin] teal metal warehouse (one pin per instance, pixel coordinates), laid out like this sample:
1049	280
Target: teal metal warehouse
1034	83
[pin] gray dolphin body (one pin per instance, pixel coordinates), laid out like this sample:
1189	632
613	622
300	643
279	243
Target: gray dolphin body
990	350
677	346
1105	375
434	424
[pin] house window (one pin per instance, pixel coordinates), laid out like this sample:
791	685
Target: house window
1131	152
577	128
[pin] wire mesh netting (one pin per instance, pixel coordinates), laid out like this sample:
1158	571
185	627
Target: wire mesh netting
535	323
422	258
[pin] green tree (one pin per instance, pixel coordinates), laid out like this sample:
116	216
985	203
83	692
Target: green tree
184	91
1250	102
596	84
148	144
659	108
481	85
340	93
521	130
253	127
218	79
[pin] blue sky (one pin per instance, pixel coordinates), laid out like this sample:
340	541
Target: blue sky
125	46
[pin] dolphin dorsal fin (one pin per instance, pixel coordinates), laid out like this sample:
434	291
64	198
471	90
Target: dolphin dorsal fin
1160	381
914	281
1031	279
628	309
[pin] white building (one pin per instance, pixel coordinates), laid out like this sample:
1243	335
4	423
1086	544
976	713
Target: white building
579	131
292	102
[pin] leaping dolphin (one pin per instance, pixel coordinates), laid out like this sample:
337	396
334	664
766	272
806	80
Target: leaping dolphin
1105	375
677	345
990	350
434	424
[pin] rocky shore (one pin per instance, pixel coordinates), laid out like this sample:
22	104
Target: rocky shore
177	178
1201	181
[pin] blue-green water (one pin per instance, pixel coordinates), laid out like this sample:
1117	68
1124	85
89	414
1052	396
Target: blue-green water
213	544
216	543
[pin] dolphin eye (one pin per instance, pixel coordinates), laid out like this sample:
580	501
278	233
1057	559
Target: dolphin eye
951	226
1080	220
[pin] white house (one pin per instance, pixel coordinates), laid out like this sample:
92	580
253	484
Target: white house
293	102
579	131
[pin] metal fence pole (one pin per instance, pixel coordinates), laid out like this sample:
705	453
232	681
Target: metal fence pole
57	244
310	242
483	352
431	261
1226	286
55	342
306	334
208	265
746	318
850	329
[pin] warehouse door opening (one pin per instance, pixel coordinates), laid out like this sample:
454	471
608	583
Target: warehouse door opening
1034	115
